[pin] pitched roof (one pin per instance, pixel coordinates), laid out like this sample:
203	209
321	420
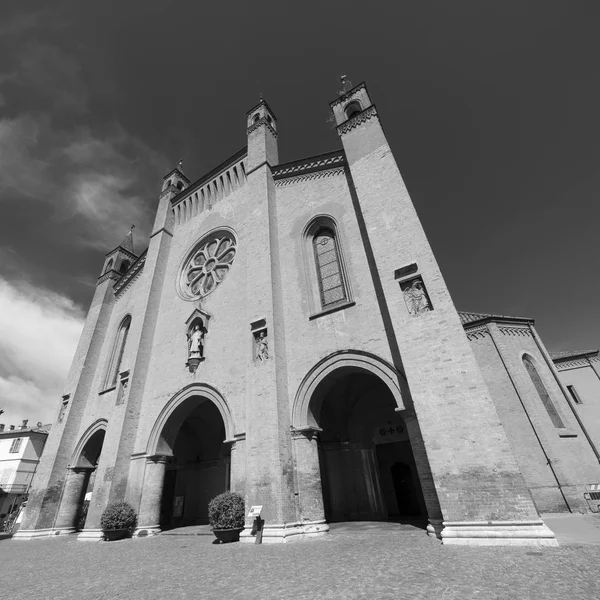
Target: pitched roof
127	243
568	354
466	318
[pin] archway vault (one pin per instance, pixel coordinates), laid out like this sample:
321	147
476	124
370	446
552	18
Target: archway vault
302	417
202	391
90	432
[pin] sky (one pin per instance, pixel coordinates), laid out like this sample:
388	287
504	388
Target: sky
491	110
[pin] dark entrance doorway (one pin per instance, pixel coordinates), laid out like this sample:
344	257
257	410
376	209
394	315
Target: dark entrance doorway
368	470
199	467
88	463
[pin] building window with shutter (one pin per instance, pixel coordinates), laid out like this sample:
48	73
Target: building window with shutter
16	445
543	393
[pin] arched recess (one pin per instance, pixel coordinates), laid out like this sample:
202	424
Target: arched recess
302	415
174	413
87	451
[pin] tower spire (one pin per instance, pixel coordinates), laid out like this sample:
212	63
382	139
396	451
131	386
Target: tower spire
127	242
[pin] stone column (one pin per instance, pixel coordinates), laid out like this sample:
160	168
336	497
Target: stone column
308	475
434	512
72	499
154	478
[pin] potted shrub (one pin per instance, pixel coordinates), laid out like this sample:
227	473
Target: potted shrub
118	521
226	516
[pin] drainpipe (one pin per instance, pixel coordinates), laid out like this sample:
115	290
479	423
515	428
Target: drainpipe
552	367
537	437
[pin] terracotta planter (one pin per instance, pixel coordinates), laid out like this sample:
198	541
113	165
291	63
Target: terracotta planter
111	535
228	535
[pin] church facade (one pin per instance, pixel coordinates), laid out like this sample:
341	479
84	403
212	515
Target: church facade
288	335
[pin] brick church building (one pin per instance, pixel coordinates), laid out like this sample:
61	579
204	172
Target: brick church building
288	335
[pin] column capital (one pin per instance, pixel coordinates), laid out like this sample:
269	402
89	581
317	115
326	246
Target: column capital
307	433
157	458
78	469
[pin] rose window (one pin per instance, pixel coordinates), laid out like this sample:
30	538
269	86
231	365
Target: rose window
208	265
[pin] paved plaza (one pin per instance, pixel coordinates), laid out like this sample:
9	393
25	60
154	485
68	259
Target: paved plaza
358	560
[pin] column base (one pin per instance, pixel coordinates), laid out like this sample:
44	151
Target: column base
31	534
434	528
287	532
497	533
63	531
147	531
90	535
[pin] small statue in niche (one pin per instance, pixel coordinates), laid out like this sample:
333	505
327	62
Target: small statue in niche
262	346
196	342
416	297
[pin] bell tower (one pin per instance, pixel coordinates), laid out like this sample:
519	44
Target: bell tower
261	126
121	258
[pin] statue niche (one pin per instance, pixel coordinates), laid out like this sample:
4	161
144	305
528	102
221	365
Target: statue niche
196	330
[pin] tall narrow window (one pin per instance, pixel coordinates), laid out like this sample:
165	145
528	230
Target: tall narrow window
574	394
329	271
116	357
543	393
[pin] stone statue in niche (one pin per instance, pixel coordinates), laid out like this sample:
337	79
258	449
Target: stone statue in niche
195	338
415	296
262	345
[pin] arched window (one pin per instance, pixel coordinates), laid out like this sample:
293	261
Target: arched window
332	288
256	118
543	393
179	185
124	266
168	183
109	265
116	356
352	109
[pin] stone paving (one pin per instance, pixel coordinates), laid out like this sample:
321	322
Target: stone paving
375	561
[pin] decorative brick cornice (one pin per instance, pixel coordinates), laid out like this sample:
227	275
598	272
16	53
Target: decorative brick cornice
477	333
311	164
130	275
357	120
309	177
575	362
261	122
515	331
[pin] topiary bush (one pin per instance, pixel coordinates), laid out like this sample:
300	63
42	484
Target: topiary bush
118	515
226	511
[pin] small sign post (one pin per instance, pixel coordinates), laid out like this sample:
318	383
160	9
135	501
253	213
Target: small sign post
258	522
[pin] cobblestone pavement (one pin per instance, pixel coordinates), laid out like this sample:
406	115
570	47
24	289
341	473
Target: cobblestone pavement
352	562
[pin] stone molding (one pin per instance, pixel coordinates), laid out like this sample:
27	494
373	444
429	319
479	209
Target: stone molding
357	120
309	177
110	274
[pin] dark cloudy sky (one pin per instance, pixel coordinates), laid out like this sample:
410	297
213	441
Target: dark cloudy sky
491	108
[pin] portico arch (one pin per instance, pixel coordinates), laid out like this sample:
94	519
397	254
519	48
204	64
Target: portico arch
188	459
79	479
355	360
